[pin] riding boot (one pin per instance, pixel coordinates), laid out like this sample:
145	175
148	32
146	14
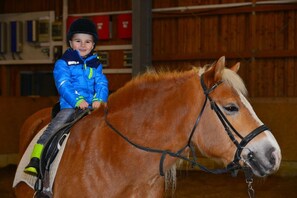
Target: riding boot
33	166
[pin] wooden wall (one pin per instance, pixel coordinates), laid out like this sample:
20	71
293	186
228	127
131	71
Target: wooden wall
263	38
14	111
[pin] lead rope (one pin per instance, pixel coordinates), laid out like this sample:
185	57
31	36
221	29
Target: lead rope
251	191
249	180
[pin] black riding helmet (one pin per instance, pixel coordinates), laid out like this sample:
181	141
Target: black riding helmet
82	25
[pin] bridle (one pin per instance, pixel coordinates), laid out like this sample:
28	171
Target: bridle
234	166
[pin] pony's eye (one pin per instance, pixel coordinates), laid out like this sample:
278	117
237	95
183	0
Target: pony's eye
231	108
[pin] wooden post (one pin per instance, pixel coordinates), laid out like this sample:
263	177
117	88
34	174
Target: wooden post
253	70
4	81
141	35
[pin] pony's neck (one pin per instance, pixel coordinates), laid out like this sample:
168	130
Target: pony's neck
157	110
154	112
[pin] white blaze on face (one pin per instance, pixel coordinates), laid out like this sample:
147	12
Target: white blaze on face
251	110
261	147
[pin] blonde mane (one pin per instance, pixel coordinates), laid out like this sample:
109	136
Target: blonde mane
164	74
153	75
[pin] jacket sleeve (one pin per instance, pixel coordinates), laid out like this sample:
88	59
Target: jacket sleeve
101	85
63	84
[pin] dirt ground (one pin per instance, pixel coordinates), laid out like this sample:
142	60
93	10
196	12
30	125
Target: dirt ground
197	184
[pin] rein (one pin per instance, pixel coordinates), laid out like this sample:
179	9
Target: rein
177	154
233	167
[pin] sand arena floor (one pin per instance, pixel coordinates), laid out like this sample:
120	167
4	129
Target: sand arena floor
194	184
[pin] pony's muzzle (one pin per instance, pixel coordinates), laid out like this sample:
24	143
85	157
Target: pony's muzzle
263	164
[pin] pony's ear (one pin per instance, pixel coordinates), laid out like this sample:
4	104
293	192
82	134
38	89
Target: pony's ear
219	67
214	73
235	67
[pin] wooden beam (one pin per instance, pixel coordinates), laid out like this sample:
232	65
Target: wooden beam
224	11
230	55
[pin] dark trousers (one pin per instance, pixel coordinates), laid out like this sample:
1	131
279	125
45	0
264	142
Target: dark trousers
58	121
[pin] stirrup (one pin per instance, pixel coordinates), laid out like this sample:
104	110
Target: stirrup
33	167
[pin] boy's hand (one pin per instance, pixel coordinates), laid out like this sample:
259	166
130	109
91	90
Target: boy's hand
96	104
83	105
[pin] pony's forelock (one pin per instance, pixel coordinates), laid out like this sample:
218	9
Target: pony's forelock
230	77
234	80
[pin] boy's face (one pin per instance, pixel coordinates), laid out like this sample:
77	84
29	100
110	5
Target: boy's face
83	43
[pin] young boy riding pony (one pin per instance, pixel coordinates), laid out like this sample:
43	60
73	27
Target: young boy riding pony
79	80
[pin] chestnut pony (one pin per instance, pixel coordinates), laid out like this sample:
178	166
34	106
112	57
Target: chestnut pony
153	121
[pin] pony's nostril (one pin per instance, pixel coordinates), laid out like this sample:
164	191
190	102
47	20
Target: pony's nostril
271	156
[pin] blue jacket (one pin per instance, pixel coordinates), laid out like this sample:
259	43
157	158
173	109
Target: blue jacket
77	79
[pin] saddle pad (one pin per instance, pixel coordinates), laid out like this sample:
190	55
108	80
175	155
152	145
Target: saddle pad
30	180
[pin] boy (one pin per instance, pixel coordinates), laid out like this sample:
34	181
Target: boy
79	80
